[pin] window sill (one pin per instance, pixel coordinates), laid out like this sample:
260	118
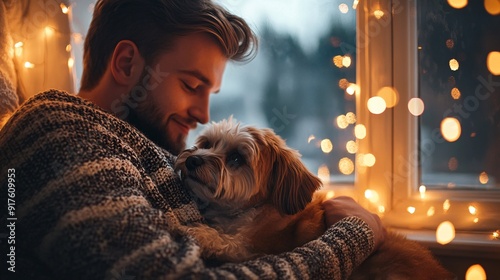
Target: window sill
466	250
469	245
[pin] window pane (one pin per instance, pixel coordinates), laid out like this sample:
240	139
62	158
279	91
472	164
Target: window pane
459	60
297	83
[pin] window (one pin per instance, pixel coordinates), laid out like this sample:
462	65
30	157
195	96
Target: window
456	60
410	183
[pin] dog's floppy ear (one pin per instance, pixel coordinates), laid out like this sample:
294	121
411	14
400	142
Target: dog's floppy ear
292	184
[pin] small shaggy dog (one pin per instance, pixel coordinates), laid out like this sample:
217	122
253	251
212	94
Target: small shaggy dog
259	198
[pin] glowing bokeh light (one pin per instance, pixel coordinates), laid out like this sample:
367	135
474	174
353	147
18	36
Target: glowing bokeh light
29	65
416	106
326	146
352	89
493	62
411	209
343	83
343	8
450	43
372	196
390	96
378	14
472	210
455	93
342	122
475	272
64	8
346	61
346	166
445	233
351	147
350	118
311	137
330	194
71	62
492	7
324	173
454	65
431	211
451	129
381	209
483	178
376	105
496	234
458	4
18	48
49	31
446	205
337	60
422	189
368	160
360	131
355	4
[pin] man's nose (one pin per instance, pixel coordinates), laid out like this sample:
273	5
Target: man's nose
201	110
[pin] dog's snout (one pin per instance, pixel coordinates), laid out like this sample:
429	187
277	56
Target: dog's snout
193	161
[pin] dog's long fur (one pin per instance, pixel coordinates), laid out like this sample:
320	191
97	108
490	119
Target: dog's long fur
259	198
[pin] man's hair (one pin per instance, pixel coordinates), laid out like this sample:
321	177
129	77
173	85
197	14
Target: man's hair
153	25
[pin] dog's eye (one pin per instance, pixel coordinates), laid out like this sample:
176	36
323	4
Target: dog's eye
203	144
235	160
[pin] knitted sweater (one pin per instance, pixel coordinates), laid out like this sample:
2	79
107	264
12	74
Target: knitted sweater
95	199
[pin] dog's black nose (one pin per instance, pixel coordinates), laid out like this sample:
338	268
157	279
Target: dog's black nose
193	161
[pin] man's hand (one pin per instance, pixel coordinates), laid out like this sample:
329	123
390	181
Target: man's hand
340	207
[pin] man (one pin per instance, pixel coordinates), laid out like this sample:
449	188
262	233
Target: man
96	197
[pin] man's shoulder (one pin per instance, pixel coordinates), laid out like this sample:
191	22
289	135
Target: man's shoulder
58	107
55	97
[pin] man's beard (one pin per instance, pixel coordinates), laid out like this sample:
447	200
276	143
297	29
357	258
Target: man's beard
146	117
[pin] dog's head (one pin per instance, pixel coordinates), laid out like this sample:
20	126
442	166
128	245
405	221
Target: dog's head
236	166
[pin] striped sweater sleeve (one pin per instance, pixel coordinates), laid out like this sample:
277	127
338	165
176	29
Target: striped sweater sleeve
95	199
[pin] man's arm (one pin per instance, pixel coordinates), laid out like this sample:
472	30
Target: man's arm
89	206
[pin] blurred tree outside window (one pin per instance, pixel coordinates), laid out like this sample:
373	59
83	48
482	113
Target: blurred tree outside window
298	83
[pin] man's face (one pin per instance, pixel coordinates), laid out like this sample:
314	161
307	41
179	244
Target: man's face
173	94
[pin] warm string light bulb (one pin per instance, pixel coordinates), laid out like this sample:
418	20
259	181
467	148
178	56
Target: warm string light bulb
475	272
64	9
351	89
29	65
445	233
355	4
372	196
18	49
422	190
378	14
446	205
472	210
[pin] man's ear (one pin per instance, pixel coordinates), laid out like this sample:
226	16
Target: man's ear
127	64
